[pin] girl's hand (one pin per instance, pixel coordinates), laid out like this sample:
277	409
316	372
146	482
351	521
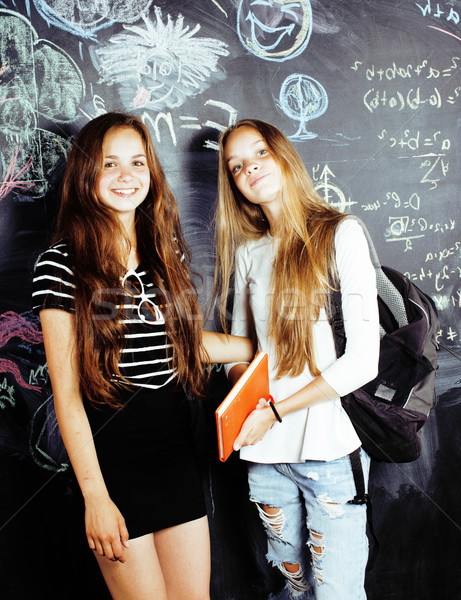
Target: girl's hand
106	531
256	425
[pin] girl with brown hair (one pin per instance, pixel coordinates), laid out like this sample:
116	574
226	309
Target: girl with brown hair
286	248
123	338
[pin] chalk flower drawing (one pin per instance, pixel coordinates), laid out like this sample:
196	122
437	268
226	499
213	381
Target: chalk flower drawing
159	65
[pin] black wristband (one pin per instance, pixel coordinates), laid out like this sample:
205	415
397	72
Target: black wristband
275	411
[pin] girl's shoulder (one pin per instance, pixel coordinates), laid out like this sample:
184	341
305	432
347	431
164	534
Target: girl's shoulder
53	282
57	252
349	231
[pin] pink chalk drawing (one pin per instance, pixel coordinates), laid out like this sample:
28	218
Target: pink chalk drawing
11	180
14	325
8	366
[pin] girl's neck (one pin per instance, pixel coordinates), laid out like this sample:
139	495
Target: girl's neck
273	215
133	261
129	246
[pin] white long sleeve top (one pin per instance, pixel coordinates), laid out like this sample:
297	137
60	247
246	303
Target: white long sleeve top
323	431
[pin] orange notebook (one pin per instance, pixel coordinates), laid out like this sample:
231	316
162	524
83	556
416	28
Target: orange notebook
252	385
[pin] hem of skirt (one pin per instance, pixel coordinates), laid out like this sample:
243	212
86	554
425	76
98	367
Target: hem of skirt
173	522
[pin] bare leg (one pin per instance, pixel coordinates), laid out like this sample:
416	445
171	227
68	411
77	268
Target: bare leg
140	577
184	555
171	564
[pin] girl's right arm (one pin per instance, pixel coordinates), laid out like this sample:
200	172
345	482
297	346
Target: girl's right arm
105	527
240	315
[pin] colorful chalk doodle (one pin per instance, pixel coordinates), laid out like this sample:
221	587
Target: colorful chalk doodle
159	65
37	80
13	325
12	180
274	29
28	425
86	18
303	99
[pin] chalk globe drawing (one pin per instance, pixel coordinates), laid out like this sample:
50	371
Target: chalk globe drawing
274	29
303	99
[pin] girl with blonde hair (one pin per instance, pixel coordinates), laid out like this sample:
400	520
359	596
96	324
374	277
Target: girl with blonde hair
123	337
286	248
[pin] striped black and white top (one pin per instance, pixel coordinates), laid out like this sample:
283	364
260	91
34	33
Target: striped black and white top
146	358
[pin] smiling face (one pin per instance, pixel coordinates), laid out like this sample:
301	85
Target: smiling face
255	171
124	180
275	29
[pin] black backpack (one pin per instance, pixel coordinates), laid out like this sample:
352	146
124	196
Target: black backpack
389	411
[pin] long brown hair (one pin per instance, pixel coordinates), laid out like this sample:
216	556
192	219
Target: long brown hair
96	241
304	265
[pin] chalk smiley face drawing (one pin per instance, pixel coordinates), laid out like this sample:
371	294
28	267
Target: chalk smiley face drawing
274	29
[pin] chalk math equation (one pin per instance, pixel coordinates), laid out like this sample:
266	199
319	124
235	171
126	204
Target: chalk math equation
430	85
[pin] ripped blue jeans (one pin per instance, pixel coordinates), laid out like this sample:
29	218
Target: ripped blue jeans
306	504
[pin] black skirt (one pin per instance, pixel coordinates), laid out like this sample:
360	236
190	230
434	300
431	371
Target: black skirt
148	459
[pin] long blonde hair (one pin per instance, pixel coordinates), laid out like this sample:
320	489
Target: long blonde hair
304	264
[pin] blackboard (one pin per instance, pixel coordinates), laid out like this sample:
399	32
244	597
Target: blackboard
369	92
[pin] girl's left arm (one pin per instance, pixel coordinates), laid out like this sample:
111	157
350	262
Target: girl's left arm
262	418
222	348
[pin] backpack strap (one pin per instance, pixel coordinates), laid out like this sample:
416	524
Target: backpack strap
356	464
362	498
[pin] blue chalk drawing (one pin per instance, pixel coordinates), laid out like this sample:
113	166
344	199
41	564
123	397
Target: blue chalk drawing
303	99
274	29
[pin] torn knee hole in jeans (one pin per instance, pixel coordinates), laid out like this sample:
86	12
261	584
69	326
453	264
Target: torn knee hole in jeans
295	577
272	518
316	545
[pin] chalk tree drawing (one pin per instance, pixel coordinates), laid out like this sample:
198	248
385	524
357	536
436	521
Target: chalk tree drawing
85	18
159	65
37	79
302	98
274	29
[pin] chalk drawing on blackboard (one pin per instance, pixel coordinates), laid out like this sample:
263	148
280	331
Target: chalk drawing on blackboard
6	394
440	11
232	118
86	18
97	107
45	444
159	65
444	31
275	30
216	3
12	180
331	192
303	99
38	79
13	325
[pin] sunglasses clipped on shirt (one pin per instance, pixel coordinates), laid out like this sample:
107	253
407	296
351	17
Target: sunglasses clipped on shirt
148	311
